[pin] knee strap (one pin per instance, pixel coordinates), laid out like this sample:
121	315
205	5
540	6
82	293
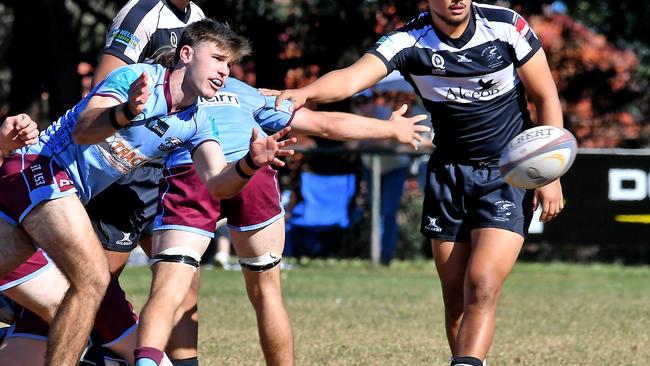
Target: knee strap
180	255
262	263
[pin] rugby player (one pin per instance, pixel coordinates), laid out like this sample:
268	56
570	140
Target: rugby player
81	153
255	216
472	64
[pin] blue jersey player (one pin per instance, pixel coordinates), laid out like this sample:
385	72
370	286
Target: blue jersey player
188	214
139	113
472	64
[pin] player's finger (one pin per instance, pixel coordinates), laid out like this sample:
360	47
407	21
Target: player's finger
287	142
418	118
400	111
278	135
284	153
277	162
254	135
421	128
269	92
535	200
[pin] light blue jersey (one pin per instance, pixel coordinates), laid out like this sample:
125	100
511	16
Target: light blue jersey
236	109
153	133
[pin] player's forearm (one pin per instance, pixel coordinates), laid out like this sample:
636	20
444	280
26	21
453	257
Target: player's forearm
96	124
228	182
347	126
549	111
332	87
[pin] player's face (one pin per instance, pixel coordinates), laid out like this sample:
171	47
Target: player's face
453	13
210	68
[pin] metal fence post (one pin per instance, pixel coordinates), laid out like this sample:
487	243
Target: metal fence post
375	204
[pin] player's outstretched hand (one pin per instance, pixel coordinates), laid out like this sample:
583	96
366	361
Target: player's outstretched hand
551	198
295	96
406	130
267	151
138	94
18	131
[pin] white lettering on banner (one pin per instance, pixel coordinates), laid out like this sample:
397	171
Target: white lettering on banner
637	187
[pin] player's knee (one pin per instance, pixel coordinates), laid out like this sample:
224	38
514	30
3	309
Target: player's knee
179	255
484	293
261	263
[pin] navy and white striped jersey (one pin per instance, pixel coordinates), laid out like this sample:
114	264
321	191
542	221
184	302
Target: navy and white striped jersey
143	27
469	84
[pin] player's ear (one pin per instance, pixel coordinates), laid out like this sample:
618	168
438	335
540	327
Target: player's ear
186	54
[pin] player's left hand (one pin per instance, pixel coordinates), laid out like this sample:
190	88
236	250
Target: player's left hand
267	151
18	131
551	198
406	130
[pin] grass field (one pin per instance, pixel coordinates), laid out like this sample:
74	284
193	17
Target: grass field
347	313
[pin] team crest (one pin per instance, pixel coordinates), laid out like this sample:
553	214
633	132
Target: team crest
503	210
438	63
170	144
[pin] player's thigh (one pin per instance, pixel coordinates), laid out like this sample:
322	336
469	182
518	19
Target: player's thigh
257	242
494	253
16	247
451	260
19	351
41	294
62	228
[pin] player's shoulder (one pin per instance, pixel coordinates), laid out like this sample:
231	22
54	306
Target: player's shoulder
132	14
196	11
495	13
419	23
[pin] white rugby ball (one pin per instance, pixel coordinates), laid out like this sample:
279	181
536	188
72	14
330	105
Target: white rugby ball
538	156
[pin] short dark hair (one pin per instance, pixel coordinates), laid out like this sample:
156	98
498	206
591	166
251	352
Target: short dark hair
209	30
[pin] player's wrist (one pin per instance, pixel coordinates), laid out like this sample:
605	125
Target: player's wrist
243	174
248	159
120	120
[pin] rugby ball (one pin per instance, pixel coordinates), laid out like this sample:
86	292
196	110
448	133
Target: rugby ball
538	156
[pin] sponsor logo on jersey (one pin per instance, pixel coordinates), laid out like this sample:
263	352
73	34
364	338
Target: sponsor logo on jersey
433	224
170	144
438	63
120	155
503	210
173	39
492	56
221	99
463	58
486	90
157	126
125	37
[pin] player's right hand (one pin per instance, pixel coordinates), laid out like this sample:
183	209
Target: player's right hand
406	130
138	94
18	131
295	96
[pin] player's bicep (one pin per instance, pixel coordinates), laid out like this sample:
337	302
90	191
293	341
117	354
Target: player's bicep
536	76
208	159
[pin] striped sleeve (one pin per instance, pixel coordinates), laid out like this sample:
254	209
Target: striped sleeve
131	30
522	39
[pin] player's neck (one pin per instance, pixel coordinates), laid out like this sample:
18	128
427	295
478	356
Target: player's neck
451	30
181	94
180	4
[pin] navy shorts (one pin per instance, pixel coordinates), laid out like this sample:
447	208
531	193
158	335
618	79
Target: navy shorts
460	197
124	212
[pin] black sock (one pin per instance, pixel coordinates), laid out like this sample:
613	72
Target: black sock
192	361
466	361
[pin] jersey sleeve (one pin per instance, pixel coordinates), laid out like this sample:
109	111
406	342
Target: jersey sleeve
131	30
206	130
272	120
522	39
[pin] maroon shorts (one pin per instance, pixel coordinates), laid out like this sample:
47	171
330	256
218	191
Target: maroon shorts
27	180
31	268
184	203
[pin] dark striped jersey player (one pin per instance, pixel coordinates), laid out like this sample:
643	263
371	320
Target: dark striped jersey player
473	65
144	27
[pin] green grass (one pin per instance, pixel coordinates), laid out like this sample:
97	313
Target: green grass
348	313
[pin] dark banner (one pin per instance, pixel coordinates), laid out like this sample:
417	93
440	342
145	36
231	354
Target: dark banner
607	201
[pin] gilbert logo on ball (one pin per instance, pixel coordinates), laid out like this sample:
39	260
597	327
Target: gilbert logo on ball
538	156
